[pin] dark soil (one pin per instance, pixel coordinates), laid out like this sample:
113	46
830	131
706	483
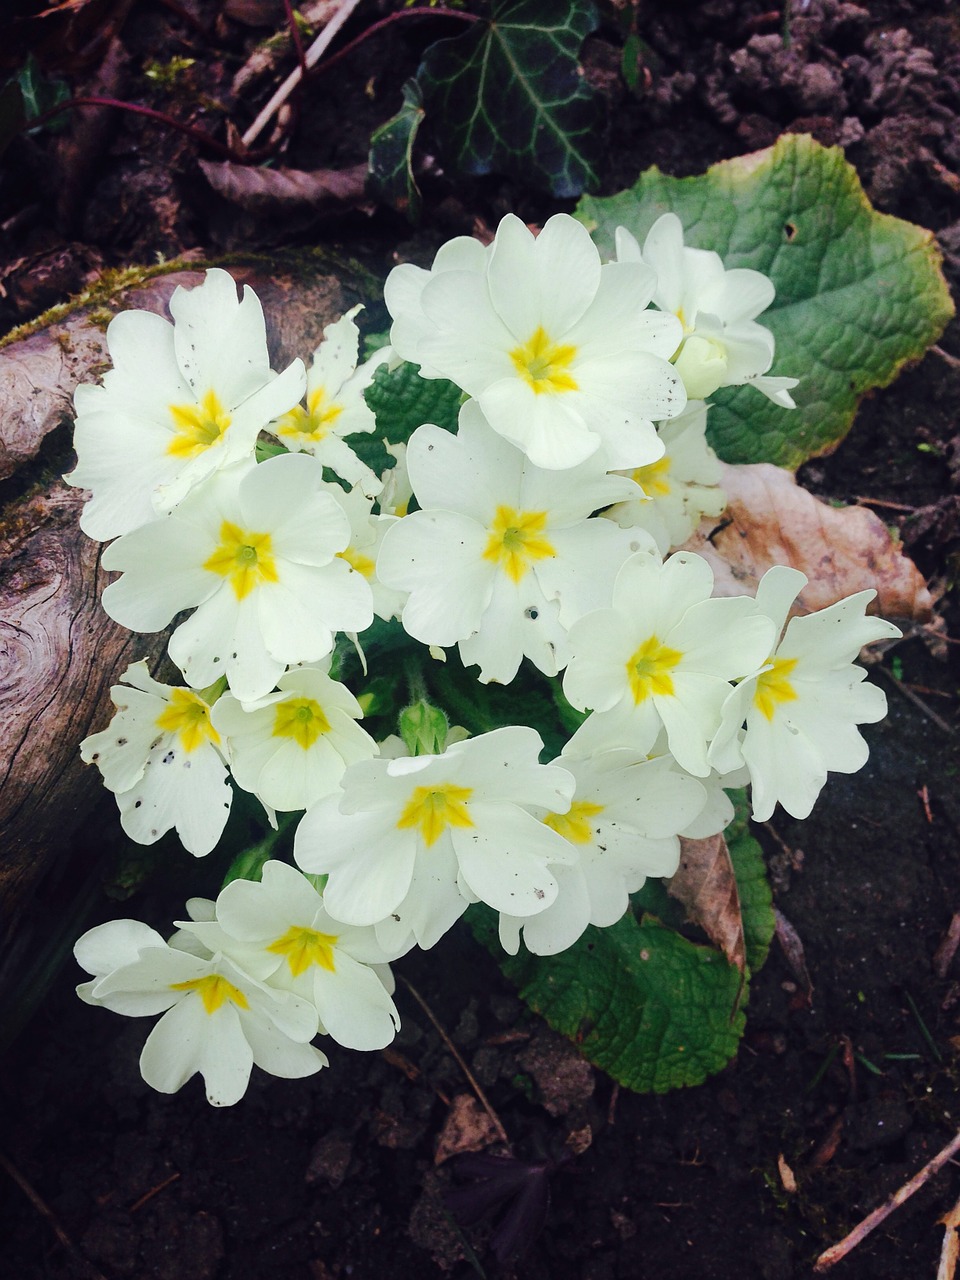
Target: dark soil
833	1101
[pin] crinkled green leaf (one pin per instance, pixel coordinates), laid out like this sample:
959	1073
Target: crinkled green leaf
650	1008
756	899
391	151
859	293
509	95
403	401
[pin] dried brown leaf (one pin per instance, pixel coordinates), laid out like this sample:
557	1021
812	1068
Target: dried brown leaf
466	1128
707	887
268	191
772	520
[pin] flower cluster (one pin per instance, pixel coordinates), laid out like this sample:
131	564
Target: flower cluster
541	529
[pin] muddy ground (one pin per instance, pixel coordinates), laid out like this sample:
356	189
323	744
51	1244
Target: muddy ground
850	1092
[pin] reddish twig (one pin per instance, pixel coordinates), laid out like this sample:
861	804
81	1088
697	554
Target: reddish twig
873	1220
388	21
295	37
199	136
148	1196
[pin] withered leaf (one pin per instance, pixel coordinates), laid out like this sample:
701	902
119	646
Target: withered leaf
706	886
267	191
772	520
466	1128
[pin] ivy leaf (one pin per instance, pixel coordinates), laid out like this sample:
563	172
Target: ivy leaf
859	293
40	93
509	95
650	1008
391	150
402	401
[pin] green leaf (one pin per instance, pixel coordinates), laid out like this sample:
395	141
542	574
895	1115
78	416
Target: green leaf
859	293
40	93
509	96
391	152
650	1008
756	899
402	401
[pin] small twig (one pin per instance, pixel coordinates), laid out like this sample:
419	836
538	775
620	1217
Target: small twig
319	46
881	502
310	58
948	947
474	1085
917	701
199	136
295	36
833	1255
951	1244
953	361
43	1208
154	1191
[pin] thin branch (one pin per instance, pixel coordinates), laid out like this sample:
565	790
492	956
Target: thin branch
319	46
310	58
295	36
833	1255
199	136
44	1209
474	1085
917	701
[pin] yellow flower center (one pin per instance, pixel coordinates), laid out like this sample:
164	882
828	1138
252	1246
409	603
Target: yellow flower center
515	541
545	364
214	991
243	558
302	948
433	809
648	670
653	478
188	716
773	687
314	422
197	426
357	560
301	719
575	825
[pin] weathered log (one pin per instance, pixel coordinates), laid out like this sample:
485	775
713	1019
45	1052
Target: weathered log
59	652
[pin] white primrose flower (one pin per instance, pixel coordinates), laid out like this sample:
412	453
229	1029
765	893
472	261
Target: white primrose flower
335	406
181	401
559	350
280	930
412	841
361	552
623	824
502	557
722	344
664	654
394	497
802	710
291	748
256	551
161	756
217	1019
680	487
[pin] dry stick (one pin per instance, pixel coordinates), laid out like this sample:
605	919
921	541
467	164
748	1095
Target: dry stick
310	58
951	1245
917	701
482	1097
860	1232
43	1208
